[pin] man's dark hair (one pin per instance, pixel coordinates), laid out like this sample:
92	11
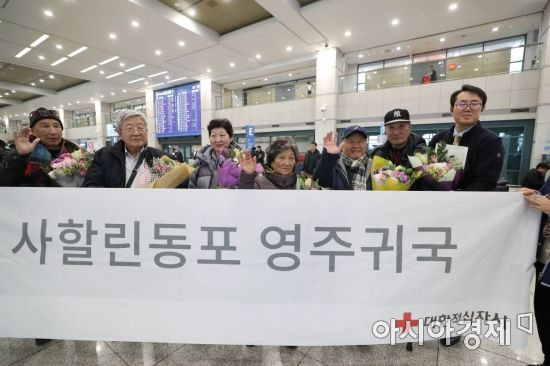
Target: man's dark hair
543	165
2	144
220	123
258	147
313	142
471	89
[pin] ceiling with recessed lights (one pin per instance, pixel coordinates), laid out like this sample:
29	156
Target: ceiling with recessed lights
113	50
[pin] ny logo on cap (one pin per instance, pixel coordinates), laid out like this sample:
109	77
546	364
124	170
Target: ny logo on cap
397	114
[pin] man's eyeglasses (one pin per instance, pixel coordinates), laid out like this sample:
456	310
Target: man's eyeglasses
130	129
474	106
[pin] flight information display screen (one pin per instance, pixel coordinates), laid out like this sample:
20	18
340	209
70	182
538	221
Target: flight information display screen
178	111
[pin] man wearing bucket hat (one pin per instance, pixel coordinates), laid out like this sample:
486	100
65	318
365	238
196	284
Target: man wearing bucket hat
36	147
344	166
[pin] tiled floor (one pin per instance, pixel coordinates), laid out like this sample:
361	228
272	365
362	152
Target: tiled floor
24	352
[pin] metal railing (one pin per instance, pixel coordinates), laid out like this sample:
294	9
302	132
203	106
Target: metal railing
508	60
267	94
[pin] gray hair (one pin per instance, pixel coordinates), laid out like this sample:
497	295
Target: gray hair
278	146
128	113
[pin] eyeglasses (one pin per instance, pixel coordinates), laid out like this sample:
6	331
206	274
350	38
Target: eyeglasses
473	105
130	129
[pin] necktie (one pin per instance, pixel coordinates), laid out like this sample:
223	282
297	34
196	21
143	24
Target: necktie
456	140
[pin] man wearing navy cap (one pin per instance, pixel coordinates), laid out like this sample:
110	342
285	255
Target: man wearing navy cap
345	166
400	142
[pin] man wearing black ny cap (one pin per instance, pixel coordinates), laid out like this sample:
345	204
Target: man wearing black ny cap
400	142
35	148
345	166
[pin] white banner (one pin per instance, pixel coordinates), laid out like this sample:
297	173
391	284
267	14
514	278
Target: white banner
288	268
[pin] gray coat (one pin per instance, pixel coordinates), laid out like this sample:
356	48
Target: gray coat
206	170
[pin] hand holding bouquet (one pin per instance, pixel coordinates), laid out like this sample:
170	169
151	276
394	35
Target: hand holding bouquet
442	166
164	173
387	176
69	169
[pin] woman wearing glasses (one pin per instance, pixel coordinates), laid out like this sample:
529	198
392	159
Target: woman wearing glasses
36	147
485	150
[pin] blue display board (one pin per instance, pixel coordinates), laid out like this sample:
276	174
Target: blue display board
178	111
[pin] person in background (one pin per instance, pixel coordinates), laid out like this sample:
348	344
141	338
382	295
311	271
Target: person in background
220	132
433	74
534	178
279	172
260	155
345	166
3	150
176	153
311	160
36	147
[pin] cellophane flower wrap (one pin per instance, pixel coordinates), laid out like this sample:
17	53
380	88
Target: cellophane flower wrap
441	166
387	176
164	173
69	170
306	183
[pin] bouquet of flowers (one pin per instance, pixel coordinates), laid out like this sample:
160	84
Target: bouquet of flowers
229	169
69	169
387	176
306	183
442	166
164	173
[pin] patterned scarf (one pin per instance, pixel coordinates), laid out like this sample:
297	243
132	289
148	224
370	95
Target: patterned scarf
279	180
358	169
39	164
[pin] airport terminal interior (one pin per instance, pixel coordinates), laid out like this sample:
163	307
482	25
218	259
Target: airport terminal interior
296	68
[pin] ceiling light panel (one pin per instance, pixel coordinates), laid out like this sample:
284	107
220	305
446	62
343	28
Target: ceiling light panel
104	62
78	51
39	40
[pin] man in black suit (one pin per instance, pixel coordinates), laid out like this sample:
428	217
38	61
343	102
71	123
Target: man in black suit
485	150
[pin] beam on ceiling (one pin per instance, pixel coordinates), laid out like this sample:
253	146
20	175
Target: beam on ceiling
25	88
288	13
164	11
10	101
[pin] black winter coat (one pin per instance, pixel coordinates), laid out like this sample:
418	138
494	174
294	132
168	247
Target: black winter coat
484	159
109	166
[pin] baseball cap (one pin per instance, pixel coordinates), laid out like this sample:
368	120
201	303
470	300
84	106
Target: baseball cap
354	129
396	115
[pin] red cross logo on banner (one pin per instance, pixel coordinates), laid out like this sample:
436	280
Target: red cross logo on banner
406	323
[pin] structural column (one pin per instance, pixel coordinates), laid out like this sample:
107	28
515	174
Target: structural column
209	92
102	113
541	140
329	70
151	119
